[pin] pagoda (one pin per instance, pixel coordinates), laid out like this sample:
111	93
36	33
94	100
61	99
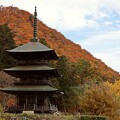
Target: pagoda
33	91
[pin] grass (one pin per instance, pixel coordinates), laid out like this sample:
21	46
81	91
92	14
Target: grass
24	116
6	116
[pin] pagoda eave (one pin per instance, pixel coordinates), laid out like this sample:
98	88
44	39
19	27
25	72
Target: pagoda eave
29	89
30	68
33	55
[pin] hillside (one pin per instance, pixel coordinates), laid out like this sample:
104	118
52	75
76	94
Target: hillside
21	22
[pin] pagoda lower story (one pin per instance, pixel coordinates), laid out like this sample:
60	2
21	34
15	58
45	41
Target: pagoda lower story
39	102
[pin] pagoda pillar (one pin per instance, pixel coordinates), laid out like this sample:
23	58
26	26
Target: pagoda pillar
26	100
36	101
17	101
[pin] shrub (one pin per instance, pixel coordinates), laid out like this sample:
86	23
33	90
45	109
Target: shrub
90	117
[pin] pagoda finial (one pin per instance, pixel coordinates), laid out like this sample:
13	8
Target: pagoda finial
35	39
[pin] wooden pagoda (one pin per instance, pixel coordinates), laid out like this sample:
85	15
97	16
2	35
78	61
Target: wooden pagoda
33	91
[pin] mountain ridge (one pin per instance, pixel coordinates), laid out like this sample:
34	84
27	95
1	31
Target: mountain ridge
21	22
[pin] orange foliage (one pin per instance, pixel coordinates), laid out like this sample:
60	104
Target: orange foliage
21	22
11	102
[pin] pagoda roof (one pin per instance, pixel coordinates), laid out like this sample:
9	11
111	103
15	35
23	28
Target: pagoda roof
28	88
32	70
31	47
31	51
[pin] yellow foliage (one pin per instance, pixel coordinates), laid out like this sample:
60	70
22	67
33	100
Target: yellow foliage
114	89
99	100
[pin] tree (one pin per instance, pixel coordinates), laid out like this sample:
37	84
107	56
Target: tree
99	101
63	67
81	70
67	84
6	42
114	90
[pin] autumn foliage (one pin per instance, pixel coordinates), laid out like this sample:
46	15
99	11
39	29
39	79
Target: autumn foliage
21	22
102	100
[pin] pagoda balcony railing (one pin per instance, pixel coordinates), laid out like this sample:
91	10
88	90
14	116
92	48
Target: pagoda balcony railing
43	108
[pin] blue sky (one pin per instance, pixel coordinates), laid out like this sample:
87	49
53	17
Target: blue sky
94	24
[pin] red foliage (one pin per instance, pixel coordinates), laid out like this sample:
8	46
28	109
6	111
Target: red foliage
20	22
11	102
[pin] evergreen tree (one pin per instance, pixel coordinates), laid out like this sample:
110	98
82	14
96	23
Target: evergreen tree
6	42
67	85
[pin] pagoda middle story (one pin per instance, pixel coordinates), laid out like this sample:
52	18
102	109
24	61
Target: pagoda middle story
33	91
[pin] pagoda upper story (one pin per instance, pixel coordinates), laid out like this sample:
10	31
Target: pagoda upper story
32	59
33	50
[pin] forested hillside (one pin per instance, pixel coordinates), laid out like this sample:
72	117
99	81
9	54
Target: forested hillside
21	22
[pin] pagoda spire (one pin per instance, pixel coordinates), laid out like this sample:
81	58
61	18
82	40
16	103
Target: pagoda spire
35	39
